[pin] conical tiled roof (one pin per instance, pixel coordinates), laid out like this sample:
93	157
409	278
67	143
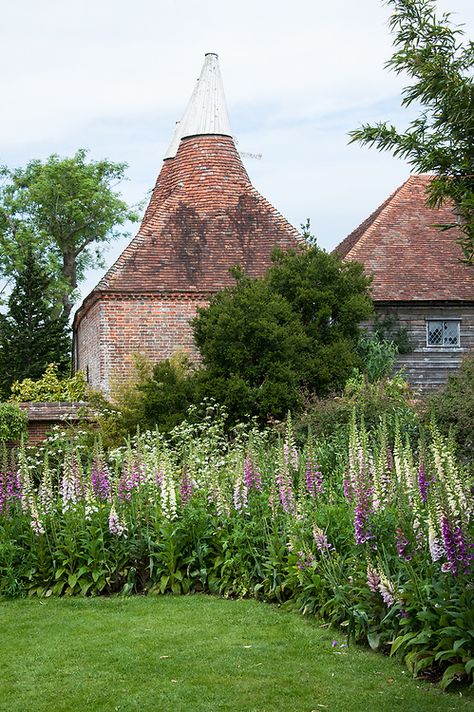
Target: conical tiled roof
409	257
204	215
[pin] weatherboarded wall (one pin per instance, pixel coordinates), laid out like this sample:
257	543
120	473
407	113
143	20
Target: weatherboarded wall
428	367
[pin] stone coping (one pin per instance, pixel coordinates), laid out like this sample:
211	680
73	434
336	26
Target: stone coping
59	410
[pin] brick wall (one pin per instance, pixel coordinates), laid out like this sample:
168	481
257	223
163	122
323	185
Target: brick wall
87	352
154	325
39	430
42	417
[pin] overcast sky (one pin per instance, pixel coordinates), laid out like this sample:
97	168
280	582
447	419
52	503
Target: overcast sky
113	76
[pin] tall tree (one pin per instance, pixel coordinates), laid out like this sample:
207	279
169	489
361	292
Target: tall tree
31	335
430	50
66	208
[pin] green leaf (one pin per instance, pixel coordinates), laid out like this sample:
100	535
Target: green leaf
164	583
373	640
411	660
446	655
101	584
459	643
452	674
401	640
423	663
85	586
422	638
450	632
58	588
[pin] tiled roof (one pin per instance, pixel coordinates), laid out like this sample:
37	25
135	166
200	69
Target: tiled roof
409	257
203	218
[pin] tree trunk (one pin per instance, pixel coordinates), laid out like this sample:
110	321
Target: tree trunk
70	281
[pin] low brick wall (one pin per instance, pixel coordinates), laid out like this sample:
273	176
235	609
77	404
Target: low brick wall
42	417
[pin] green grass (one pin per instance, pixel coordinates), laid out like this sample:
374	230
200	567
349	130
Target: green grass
192	653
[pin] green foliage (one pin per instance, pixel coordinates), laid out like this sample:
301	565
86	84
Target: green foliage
441	637
168	394
266	341
65	208
452	407
253	348
388	400
386	326
430	51
13	422
378	356
50	387
155	395
31	333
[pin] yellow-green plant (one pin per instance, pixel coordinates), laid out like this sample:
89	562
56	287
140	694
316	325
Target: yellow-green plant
13	422
50	387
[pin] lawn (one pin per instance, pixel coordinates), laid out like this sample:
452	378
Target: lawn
192	653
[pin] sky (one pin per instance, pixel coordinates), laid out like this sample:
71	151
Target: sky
113	76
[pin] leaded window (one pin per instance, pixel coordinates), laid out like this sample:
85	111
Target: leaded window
442	332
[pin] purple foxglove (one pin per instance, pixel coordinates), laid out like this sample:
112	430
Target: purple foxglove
321	541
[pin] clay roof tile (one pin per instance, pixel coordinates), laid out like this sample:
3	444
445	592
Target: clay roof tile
407	254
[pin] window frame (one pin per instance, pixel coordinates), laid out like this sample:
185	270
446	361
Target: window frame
443	320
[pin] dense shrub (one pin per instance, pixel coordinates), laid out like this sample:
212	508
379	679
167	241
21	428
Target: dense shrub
254	350
50	387
168	393
265	341
388	400
154	396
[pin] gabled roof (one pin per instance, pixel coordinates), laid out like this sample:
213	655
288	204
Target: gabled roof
204	215
410	258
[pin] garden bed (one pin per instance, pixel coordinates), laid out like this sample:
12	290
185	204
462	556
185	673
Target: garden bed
374	538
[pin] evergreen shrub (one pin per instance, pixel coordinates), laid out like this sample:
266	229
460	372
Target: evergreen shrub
265	342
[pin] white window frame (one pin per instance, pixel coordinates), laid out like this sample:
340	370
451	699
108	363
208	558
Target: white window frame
443	322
